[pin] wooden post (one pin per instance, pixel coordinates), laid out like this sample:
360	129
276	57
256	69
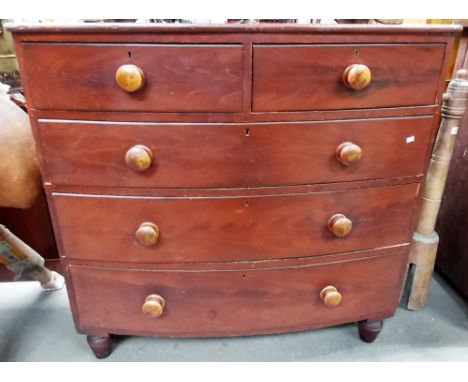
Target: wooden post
425	240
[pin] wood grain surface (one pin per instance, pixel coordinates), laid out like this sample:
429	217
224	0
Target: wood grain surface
222	229
232	155
230	302
306	77
177	77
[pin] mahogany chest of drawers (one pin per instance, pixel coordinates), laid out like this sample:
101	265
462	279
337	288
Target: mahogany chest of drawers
232	180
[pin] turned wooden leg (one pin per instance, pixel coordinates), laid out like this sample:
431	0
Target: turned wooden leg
101	346
422	255
369	329
425	239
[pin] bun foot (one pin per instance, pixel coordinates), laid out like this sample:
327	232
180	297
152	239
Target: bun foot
369	330
101	346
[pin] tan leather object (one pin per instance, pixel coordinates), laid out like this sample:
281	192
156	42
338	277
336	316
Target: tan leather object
19	172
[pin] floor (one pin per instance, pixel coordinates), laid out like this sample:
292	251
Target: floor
37	326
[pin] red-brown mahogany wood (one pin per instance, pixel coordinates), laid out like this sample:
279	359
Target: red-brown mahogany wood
226	188
232	228
177	77
232	155
233	302
304	77
239	265
310	115
241	191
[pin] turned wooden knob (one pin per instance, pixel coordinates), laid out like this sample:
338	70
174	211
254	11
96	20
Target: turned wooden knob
357	76
139	158
147	234
348	153
340	225
130	78
330	296
153	305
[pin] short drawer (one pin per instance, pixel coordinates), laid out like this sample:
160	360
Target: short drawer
310	77
177	78
220	229
232	155
235	302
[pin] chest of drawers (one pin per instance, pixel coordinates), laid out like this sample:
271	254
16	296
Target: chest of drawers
232	180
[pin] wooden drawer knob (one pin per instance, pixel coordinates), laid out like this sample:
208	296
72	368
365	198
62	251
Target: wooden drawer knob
357	76
340	225
330	296
153	305
147	234
130	78
348	153
139	158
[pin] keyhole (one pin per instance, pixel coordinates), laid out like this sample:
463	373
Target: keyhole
247	132
129	54
356	53
246	203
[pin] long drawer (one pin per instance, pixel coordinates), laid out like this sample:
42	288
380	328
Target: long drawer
236	302
309	77
178	77
232	155
220	229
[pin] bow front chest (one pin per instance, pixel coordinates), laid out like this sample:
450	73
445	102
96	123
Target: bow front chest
232	180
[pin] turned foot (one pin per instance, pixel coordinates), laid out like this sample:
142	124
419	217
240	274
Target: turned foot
369	329
101	346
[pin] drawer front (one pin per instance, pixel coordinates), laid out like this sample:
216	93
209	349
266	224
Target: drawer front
232	155
231	228
235	302
309	77
186	78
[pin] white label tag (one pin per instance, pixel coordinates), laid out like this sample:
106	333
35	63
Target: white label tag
410	139
454	130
